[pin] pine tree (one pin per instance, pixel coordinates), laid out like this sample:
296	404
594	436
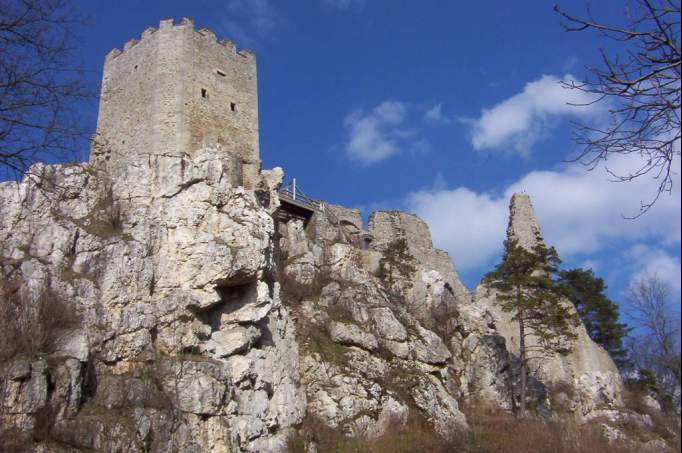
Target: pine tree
599	313
525	280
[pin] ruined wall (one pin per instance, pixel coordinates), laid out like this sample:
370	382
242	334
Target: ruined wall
387	226
523	226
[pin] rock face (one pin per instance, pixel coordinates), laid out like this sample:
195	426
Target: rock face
182	340
588	368
387	226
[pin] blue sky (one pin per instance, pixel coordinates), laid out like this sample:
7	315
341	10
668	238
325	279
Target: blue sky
436	107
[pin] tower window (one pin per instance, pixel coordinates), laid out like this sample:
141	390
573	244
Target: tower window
233	106
204	93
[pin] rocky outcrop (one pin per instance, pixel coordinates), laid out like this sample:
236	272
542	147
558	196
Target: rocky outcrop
192	319
387	226
182	340
587	368
367	362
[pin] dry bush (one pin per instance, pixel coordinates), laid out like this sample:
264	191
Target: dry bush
29	325
417	436
496	431
15	441
492	431
561	394
44	423
294	291
664	423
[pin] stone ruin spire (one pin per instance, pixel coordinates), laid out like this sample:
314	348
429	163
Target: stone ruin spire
523	226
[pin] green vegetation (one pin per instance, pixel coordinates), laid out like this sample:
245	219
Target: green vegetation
599	313
396	262
527	290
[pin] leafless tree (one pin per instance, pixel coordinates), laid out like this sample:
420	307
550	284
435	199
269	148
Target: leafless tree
641	85
40	87
656	344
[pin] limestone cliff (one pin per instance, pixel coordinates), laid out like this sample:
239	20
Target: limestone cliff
587	368
189	319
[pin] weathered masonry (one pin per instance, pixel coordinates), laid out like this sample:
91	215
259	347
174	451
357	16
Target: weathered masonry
177	90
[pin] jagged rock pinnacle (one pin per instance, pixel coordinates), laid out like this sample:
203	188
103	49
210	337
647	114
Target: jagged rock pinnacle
523	226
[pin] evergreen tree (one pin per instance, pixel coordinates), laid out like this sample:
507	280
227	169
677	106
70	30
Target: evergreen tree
599	313
525	280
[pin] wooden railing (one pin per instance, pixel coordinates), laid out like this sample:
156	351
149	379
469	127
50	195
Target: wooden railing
291	194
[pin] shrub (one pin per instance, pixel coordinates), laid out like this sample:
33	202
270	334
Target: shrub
417	436
396	262
29	325
496	431
294	291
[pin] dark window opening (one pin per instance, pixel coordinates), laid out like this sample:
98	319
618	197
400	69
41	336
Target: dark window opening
221	73
204	93
233	106
135	67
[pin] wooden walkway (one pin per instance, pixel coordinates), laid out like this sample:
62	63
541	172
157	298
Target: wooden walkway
294	203
291	195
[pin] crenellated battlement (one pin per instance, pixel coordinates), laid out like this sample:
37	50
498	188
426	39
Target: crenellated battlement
186	25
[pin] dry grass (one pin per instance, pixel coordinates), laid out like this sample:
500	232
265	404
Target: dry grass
495	431
418	436
492	431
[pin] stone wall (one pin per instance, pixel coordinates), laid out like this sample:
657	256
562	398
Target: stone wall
387	226
173	92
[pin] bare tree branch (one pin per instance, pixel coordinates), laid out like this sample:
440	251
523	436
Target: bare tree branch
40	87
657	346
641	86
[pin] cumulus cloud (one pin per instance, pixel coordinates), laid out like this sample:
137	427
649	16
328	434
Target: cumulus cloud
580	213
651	261
470	226
381	133
518	122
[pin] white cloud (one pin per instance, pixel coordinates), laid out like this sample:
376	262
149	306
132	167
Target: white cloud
381	133
470	226
518	122
580	212
649	261
344	4
249	19
435	114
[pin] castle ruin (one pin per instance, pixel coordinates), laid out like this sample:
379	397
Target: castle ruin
177	90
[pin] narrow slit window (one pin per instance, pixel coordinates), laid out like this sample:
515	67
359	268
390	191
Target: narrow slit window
220	73
233	106
204	93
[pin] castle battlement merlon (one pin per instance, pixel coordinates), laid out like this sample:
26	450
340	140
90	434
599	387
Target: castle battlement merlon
186	24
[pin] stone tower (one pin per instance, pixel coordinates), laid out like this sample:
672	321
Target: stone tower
175	91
